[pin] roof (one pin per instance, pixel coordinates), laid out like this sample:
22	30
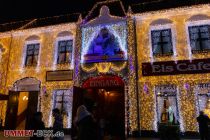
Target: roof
12	25
116	8
41	22
164	4
54	20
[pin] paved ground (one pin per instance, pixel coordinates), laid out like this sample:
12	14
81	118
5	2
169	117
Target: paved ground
67	137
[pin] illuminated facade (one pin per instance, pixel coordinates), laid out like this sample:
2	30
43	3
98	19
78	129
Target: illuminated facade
131	54
178	20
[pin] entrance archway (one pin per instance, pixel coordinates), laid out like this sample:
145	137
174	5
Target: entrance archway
22	103
107	94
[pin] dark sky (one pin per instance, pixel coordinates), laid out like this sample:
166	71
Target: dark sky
15	10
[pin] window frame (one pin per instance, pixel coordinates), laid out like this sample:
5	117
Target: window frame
25	53
201	50
69	103
56	53
193	23
173	39
33	55
65	52
161	37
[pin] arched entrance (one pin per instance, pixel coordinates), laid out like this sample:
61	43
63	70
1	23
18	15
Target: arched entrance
107	93
22	103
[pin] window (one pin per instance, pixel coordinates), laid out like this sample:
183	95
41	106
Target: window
161	42
166	102
64	51
63	100
199	38
32	54
203	98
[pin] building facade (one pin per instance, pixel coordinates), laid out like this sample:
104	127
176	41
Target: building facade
154	66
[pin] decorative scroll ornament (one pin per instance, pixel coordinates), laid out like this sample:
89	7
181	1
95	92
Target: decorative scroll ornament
103	67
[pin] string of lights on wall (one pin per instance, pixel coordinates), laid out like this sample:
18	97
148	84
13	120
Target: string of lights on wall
185	83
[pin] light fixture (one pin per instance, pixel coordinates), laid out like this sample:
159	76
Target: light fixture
25	98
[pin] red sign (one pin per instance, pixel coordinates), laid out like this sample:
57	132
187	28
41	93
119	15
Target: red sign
103	81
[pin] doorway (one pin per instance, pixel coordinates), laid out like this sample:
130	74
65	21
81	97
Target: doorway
108	104
22	104
109	110
20	109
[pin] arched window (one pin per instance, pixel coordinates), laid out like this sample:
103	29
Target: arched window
161	34
64	48
198	31
31	51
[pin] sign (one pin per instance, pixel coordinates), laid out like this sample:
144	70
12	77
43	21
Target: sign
204	85
172	68
203	88
103	81
166	88
59	75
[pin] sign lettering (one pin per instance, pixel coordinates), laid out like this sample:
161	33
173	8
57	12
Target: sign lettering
172	68
103	81
59	75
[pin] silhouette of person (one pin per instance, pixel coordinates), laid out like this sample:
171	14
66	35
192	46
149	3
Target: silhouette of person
85	122
203	125
102	124
58	124
37	124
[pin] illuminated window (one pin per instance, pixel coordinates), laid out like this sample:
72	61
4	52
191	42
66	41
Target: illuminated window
63	100
32	53
64	51
167	106
199	38
203	98
161	42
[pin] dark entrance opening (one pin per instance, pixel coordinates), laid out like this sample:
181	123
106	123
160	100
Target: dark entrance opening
20	109
22	103
107	93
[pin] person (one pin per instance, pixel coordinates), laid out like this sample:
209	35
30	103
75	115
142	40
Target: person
102	124
85	122
37	124
203	125
58	124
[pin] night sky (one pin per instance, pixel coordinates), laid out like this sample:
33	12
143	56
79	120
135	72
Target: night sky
16	10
